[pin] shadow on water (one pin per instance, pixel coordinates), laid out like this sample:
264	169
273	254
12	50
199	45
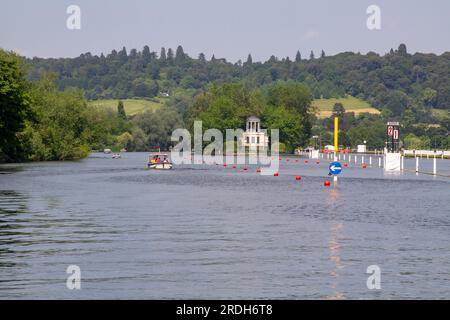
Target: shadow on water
12	204
5	169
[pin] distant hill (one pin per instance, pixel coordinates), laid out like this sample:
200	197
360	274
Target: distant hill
397	83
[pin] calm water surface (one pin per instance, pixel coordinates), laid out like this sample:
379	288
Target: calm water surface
202	231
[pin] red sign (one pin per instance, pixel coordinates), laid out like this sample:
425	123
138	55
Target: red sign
395	134
390	128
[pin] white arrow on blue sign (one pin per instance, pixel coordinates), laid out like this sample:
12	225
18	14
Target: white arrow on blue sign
335	168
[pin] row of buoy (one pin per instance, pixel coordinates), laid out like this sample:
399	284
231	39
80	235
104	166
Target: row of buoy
364	166
326	183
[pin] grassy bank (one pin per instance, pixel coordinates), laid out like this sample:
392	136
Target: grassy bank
351	104
132	106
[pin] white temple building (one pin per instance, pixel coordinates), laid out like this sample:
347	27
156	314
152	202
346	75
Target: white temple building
254	139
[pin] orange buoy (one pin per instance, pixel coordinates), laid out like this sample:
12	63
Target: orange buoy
287	159
364	166
224	164
279	158
245	168
326	183
345	164
275	174
258	170
306	161
234	167
317	162
298	178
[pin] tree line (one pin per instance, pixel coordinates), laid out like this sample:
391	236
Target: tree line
395	82
39	121
45	115
403	86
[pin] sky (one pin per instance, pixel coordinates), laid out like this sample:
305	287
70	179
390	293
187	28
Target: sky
228	29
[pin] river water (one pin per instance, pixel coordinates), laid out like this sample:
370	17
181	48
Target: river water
206	231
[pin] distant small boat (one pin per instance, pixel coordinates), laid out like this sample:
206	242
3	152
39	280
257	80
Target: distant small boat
159	162
107	151
116	156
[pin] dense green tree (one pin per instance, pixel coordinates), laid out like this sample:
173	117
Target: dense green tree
133	53
14	105
249	61
170	56
121	110
298	57
162	55
290	125
412	142
123	55
429	97
146	55
402	50
125	141
158	126
285	106
57	129
338	110
179	55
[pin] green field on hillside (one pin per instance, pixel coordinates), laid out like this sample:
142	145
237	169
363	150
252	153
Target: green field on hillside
132	106
440	114
324	106
351	104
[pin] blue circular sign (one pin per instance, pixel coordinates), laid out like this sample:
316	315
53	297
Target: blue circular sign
335	168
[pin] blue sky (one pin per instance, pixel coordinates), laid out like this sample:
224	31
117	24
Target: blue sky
229	29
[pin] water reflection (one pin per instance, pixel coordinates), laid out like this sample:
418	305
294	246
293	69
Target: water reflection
12	203
334	246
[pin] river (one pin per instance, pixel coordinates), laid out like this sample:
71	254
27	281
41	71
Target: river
206	231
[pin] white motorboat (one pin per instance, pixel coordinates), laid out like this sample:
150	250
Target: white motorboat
159	162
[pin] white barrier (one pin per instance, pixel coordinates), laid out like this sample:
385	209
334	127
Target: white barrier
421	153
434	166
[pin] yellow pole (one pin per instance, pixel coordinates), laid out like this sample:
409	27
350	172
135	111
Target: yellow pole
336	144
336	137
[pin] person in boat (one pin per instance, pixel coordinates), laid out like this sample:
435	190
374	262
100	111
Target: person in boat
155	159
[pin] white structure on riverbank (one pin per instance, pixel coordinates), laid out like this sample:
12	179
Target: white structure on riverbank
254	139
392	157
